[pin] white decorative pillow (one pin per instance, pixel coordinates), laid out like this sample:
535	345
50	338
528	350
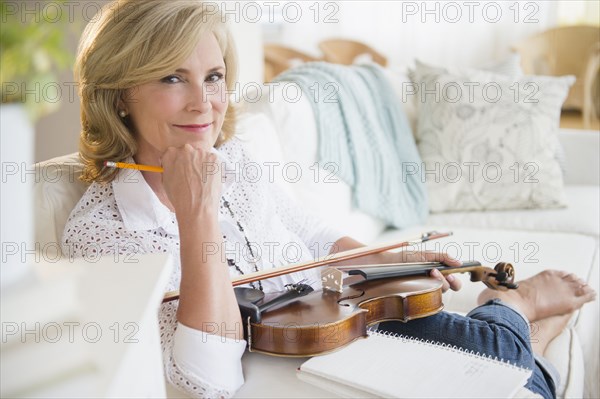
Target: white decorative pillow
509	67
490	142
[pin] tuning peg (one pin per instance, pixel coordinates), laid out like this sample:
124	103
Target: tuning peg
501	276
510	286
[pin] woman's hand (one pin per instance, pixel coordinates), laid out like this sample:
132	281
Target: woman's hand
449	281
192	180
192	183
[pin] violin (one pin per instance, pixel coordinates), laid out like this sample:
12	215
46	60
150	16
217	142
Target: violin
303	322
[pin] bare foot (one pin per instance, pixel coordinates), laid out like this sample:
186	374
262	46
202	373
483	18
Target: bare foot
549	293
545	330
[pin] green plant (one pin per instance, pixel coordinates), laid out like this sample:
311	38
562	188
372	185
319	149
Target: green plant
33	51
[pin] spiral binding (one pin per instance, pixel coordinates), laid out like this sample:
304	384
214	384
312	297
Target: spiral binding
452	348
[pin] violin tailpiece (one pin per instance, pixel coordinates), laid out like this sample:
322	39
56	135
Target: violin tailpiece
332	279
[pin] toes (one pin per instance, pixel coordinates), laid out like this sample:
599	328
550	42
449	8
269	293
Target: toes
560	273
590	296
584	285
570	277
581	291
588	292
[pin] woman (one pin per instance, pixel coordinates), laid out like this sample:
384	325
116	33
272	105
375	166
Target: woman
154	78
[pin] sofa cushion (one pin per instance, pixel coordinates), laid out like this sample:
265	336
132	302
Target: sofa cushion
404	89
290	123
588	330
582	215
565	353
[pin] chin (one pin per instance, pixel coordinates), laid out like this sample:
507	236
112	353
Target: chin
204	144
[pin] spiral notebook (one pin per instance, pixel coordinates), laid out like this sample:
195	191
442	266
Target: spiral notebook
398	367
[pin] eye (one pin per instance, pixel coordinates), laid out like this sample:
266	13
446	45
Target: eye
171	79
214	77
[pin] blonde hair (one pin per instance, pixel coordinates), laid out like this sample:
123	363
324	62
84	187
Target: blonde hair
130	43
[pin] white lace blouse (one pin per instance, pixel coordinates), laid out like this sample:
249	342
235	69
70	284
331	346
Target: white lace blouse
125	217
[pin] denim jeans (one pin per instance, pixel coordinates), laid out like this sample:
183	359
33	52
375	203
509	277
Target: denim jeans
493	329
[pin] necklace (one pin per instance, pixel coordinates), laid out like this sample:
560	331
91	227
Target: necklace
231	262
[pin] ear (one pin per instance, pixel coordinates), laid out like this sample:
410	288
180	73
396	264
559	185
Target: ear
122	101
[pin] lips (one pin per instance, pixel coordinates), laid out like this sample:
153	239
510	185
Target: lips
196	128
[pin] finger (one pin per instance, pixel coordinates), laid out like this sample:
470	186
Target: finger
450	261
431	256
455	283
411	256
435	273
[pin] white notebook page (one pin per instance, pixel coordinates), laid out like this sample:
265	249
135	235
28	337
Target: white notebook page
396	367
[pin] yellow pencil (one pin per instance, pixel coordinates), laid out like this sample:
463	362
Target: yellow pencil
123	165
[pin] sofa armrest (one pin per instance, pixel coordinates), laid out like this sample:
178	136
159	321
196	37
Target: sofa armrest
582	154
56	193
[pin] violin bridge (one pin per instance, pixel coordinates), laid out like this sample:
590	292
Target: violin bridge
332	279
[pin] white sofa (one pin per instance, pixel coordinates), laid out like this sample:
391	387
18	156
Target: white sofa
282	131
532	240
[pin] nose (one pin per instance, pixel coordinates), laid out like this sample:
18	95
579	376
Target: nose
199	99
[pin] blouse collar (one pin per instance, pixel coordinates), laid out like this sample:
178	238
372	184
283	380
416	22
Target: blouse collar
140	208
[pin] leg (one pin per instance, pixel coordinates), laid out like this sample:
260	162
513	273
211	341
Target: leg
547	300
545	330
492	329
549	293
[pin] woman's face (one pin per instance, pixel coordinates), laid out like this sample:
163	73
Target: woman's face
187	106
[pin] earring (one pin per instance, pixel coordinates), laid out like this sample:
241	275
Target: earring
122	113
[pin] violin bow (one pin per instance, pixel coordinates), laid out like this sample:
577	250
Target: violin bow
325	260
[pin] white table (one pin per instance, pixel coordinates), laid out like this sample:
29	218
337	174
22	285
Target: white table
93	329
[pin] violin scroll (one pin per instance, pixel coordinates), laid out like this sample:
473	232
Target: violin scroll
501	277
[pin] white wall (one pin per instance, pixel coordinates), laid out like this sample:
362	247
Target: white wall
461	33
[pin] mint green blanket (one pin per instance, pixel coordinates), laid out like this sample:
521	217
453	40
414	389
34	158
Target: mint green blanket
364	131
